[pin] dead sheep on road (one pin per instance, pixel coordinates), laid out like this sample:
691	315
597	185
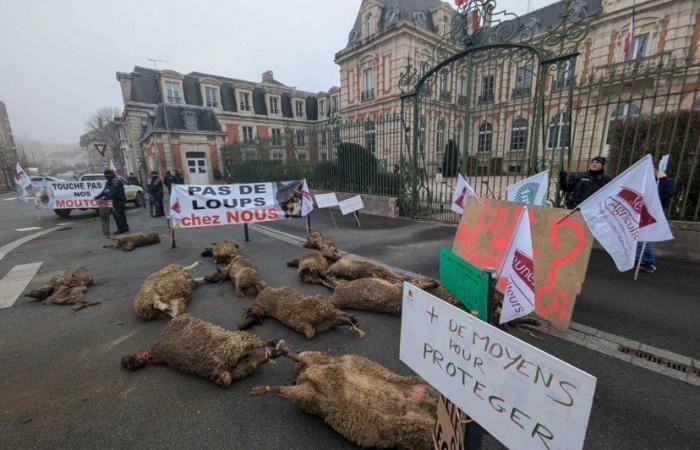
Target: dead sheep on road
165	292
222	252
373	294
351	269
306	314
326	246
200	348
362	400
312	268
128	242
67	290
244	275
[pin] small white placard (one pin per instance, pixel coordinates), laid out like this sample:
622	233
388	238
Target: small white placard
351	205
326	200
524	397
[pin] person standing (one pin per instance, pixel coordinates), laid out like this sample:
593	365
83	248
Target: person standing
155	189
580	186
168	180
177	178
114	190
132	179
667	188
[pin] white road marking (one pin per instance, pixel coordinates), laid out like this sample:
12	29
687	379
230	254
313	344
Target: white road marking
8	199
28	229
7	248
13	284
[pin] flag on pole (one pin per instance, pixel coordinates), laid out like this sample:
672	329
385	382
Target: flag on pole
307	203
473	25
460	195
530	191
628	49
518	269
625	211
112	168
459	3
22	181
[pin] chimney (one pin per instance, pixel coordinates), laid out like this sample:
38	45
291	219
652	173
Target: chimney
267	76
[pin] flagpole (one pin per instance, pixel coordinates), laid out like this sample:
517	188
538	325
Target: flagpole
639	262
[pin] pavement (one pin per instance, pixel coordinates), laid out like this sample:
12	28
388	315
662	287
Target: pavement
61	385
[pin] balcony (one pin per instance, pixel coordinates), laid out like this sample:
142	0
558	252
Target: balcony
462	100
523	91
213	104
635	66
367	95
445	96
486	98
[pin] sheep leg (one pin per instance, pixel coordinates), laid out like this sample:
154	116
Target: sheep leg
177	306
42	293
309	331
191	266
347	319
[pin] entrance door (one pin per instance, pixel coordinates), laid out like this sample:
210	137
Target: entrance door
197	167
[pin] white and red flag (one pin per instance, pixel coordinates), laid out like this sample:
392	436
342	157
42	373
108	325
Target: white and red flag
112	168
626	211
460	195
518	268
628	46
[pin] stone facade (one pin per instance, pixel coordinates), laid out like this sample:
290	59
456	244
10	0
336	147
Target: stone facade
8	150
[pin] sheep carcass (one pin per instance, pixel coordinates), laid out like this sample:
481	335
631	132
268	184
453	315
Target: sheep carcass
306	314
67	290
128	242
326	246
203	349
244	275
373	294
312	268
363	401
166	292
351	269
222	252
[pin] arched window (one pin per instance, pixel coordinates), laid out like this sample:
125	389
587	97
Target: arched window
485	134
558	131
623	110
370	29
440	138
518	134
370	136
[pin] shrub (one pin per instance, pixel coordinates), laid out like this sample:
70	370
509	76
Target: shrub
325	175
356	167
387	183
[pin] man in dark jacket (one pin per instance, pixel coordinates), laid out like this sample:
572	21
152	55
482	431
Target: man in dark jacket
177	178
155	189
580	186
133	179
168	180
114	190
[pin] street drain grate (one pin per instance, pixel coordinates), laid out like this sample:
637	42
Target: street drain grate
660	360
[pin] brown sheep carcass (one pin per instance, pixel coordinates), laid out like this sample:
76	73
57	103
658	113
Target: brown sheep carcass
222	252
352	269
362	400
326	246
128	242
306	314
203	349
312	268
244	275
373	294
67	290
165	292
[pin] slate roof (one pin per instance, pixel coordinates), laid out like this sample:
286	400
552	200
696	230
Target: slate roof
182	118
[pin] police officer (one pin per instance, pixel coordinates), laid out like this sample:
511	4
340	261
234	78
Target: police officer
155	189
114	190
582	185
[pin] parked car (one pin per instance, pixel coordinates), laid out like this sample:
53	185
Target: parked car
134	193
39	182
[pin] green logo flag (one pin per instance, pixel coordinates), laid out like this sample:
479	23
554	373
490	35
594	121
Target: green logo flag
466	282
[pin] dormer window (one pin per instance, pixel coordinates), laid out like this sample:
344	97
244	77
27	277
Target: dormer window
420	19
299	108
172	90
244	101
274	105
211	95
368	21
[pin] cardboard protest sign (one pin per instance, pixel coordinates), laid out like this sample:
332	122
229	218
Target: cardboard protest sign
72	194
449	427
226	204
561	251
466	282
326	200
351	205
523	396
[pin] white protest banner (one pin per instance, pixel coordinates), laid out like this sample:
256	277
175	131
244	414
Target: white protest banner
524	397
459	197
74	194
22	181
326	200
227	204
530	191
351	205
625	211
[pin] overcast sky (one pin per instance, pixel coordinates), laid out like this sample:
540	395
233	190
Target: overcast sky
58	58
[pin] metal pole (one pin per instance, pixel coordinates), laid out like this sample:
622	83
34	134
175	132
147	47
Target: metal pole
245	231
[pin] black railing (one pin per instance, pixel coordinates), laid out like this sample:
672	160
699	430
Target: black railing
486	98
445	96
462	100
368	94
521	91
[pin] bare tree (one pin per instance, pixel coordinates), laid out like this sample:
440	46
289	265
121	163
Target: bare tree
104	125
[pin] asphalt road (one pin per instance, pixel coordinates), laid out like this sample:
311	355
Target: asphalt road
61	385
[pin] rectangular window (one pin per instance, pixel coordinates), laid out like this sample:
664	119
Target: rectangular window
173	92
639	46
488	83
247	134
299	108
324	139
274	105
276	137
301	138
244	101
212	96
368	84
334	103
324	156
301	156
564	75
277	156
321	107
523	80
